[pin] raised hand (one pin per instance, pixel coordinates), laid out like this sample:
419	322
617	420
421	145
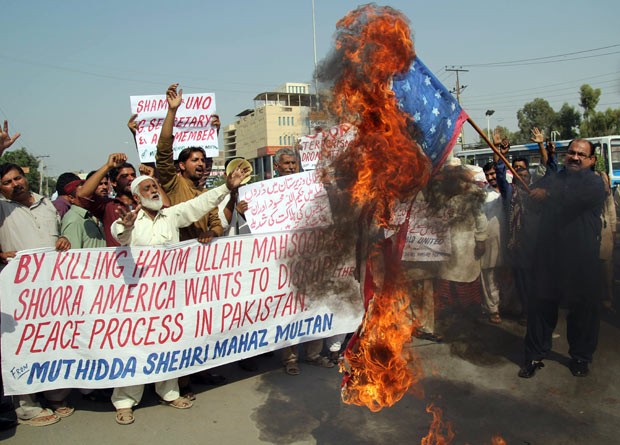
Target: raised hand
215	122
115	160
146	170
127	216
132	124
5	139
497	137
537	136
174	97
237	176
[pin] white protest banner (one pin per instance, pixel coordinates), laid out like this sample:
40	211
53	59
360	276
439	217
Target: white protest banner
337	139
289	202
100	318
192	124
428	236
310	150
329	142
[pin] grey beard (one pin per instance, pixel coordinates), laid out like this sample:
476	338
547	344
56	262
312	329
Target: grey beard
152	204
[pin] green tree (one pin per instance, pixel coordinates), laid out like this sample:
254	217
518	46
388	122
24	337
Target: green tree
601	123
28	162
588	99
567	122
505	132
537	113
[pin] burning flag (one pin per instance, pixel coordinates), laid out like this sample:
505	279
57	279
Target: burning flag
437	115
384	163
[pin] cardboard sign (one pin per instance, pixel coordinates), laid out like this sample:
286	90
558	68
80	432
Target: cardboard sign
192	124
291	202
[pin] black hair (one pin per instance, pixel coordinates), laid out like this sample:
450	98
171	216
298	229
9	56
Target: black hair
63	180
524	160
590	144
7	167
186	153
113	174
488	166
93	172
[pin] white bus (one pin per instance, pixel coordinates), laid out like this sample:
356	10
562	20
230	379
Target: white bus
606	146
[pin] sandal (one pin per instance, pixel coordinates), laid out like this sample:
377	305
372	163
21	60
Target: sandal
423	335
321	361
44	418
179	403
187	392
291	368
334	356
189	395
61	409
495	318
124	416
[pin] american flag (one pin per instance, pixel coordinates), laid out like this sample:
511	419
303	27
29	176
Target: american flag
435	112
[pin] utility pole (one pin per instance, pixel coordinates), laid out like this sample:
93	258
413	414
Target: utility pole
316	82
42	165
458	94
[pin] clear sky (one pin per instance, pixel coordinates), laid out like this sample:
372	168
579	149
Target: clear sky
67	68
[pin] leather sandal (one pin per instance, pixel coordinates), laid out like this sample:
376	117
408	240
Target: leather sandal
179	403
44	418
495	318
292	368
61	409
124	416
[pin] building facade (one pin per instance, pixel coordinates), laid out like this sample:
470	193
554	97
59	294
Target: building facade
278	120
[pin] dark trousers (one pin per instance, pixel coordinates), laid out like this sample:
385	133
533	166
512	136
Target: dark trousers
582	328
8	418
523	286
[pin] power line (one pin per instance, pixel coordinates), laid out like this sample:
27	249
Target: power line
556	61
114	77
537	59
544	92
556	84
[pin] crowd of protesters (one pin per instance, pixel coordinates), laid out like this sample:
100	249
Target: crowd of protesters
114	206
522	244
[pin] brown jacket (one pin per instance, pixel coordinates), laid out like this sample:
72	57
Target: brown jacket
180	189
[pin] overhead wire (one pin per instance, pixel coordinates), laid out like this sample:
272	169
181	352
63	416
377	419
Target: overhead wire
544	59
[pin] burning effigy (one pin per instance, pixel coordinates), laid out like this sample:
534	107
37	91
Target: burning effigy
383	165
397	125
377	90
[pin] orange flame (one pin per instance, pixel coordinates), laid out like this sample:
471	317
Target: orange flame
372	44
383	165
381	369
436	434
498	440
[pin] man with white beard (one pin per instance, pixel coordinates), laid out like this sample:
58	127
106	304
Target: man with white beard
150	225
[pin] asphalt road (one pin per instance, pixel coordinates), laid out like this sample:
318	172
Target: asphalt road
472	377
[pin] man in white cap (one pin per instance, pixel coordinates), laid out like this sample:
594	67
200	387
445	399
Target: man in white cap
149	225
